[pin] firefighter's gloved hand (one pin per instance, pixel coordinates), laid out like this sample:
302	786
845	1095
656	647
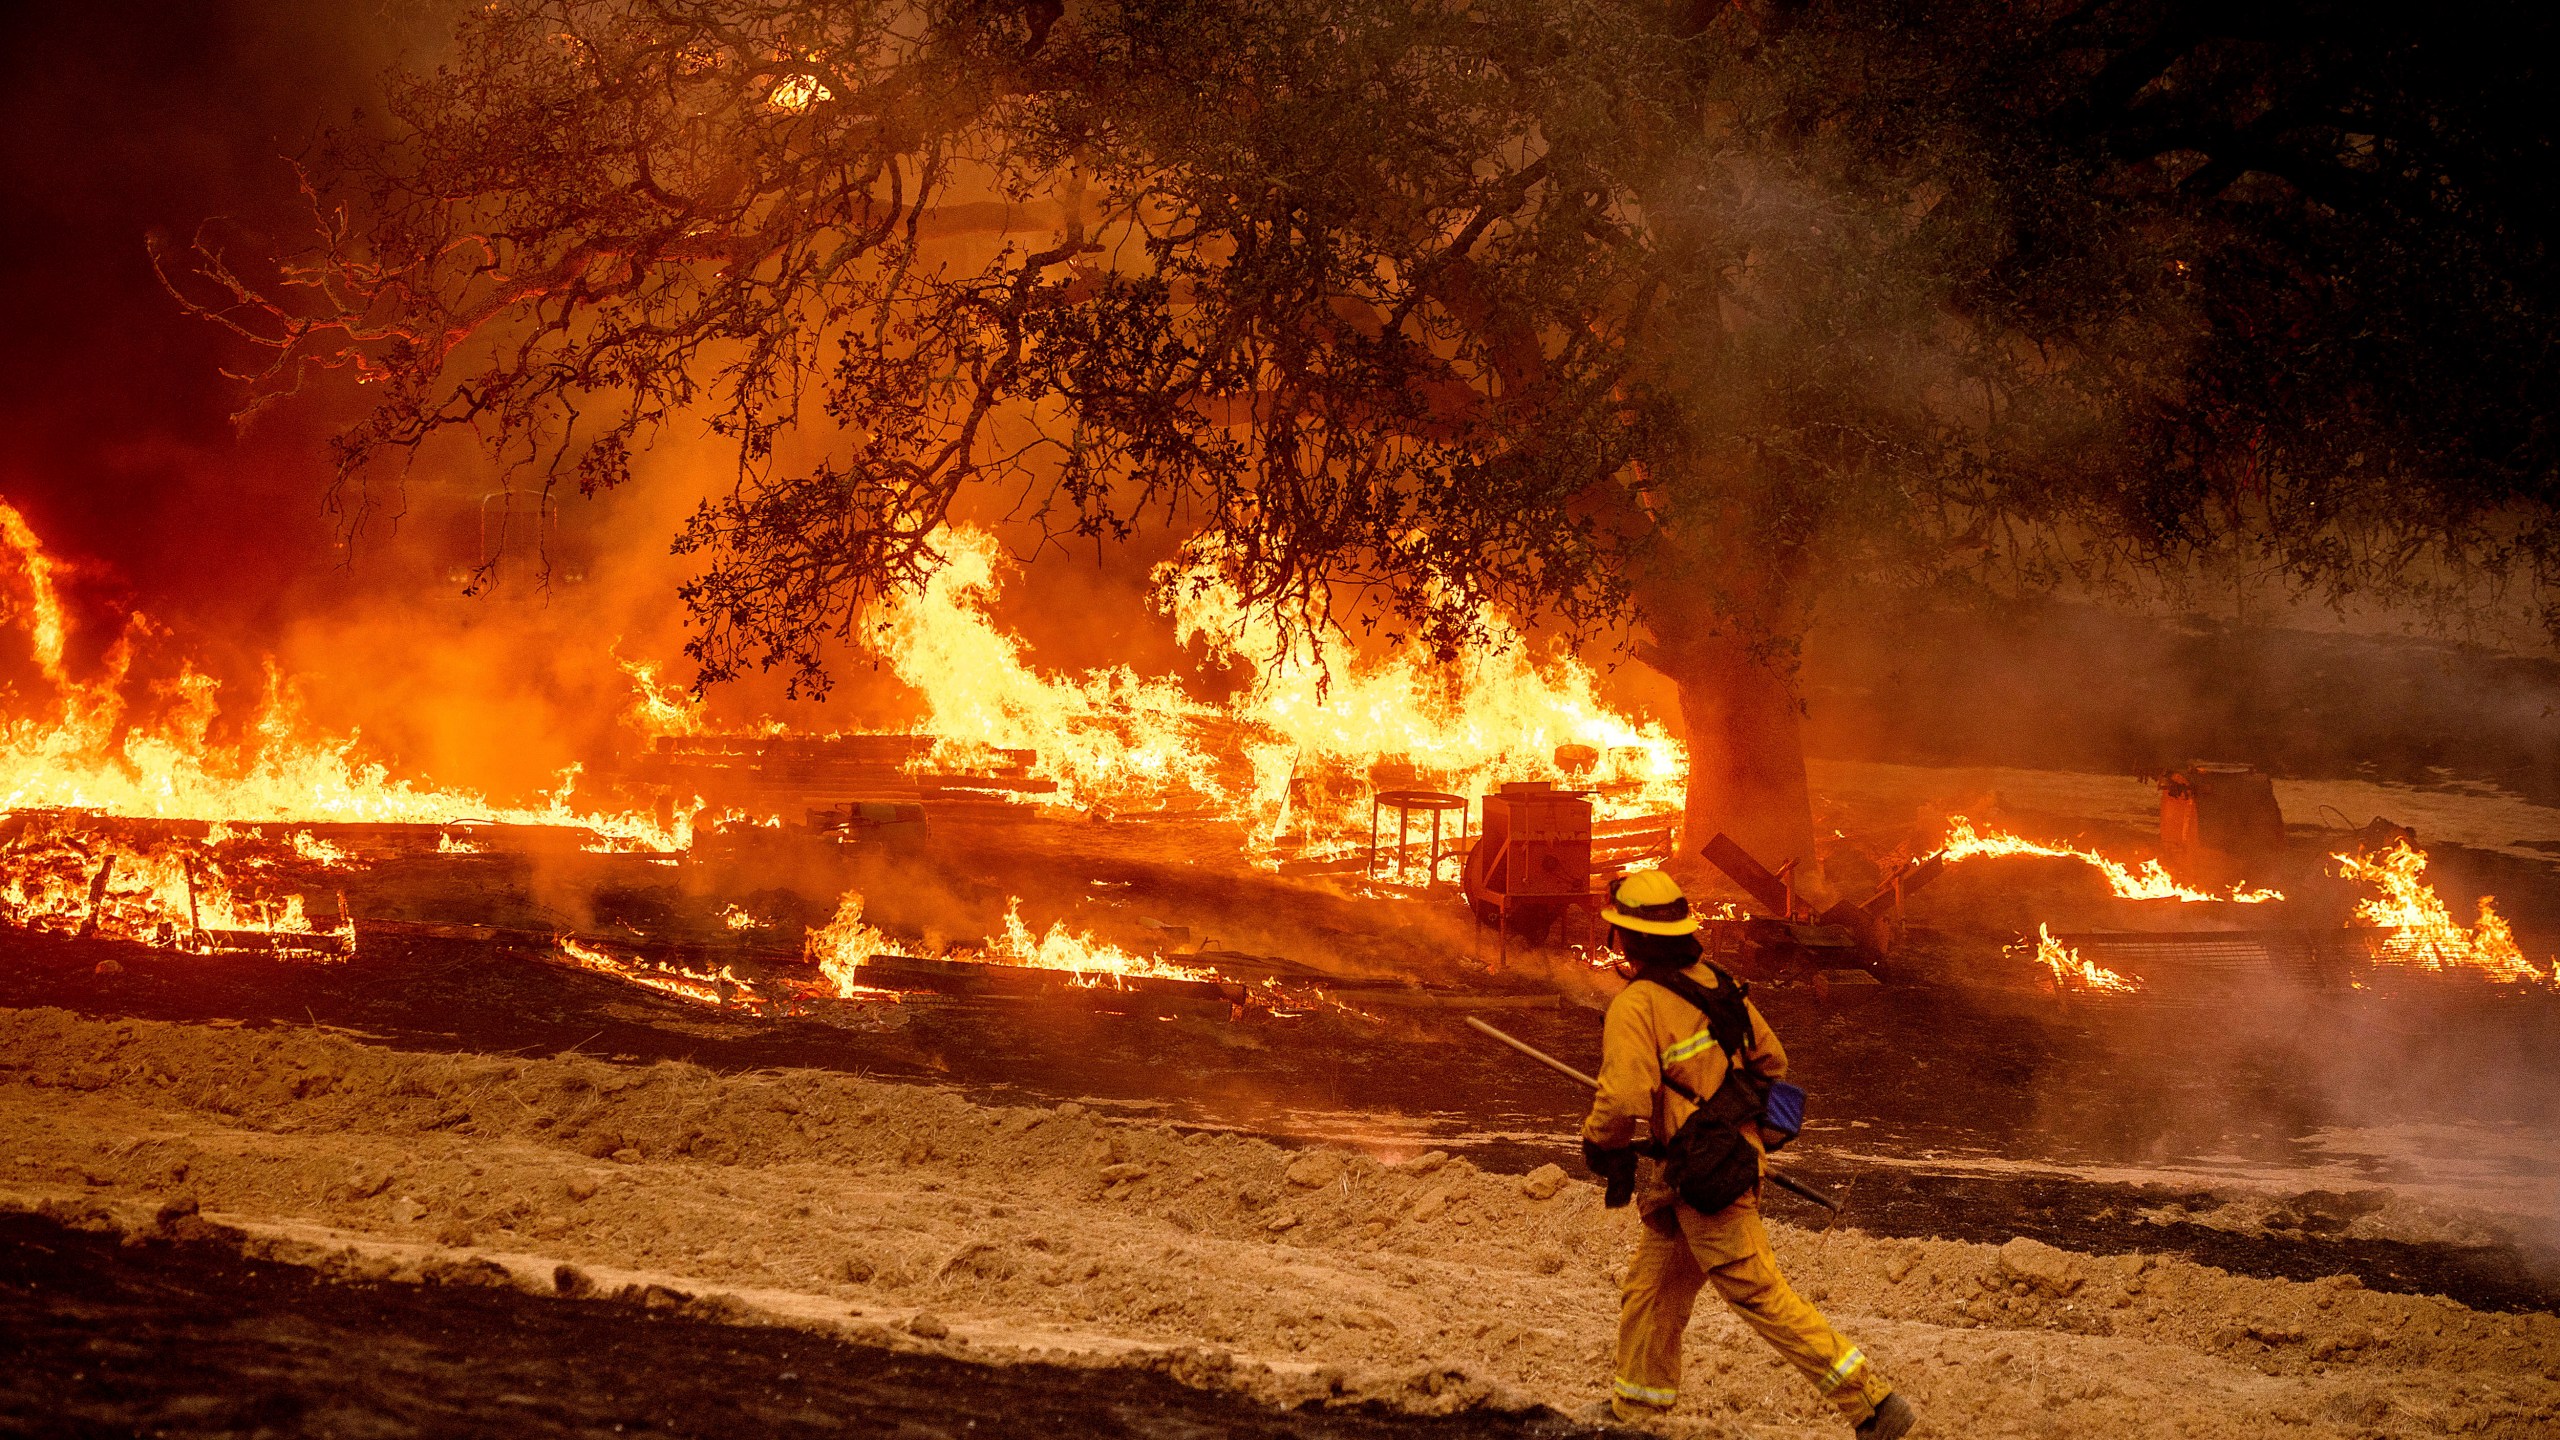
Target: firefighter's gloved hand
1615	1164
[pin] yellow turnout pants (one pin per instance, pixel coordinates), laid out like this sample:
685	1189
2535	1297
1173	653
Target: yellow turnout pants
1728	1249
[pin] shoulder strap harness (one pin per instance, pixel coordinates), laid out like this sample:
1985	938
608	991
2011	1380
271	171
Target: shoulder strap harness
1726	1008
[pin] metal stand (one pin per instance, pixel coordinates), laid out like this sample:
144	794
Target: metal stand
1566	908
1405	803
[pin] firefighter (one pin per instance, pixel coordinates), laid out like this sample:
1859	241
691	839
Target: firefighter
1681	1250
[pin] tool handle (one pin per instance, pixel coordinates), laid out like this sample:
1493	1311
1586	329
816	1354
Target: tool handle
1534	1053
1798	1187
1792	1187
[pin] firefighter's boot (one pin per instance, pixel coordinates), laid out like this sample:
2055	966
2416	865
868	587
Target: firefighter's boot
1893	1419
1618	1414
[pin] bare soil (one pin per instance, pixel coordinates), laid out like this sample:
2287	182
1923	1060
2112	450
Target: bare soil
182	1329
1055	1234
1948	1111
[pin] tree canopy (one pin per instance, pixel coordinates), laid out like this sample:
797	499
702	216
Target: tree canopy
1620	310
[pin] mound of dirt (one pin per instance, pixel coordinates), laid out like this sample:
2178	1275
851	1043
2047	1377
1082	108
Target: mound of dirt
1294	1276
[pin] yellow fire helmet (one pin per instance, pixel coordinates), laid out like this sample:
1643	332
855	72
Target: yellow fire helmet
1651	902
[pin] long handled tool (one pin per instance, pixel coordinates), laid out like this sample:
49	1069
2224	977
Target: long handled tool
1783	1182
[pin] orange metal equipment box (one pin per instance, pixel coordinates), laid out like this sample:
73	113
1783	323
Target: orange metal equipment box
2220	823
1536	841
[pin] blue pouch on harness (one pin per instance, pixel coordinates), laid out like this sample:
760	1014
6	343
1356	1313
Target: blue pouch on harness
1785	1112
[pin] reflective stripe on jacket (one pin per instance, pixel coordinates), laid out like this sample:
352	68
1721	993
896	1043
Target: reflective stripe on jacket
1650	1030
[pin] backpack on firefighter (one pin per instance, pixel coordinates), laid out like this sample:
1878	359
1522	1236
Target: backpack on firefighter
1710	1160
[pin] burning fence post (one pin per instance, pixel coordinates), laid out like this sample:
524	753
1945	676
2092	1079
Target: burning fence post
97	897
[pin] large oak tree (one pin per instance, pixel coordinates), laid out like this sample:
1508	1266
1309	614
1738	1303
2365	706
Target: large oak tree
1678	314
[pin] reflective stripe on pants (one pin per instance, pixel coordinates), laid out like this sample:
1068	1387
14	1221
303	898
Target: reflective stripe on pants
1730	1251
1626	1389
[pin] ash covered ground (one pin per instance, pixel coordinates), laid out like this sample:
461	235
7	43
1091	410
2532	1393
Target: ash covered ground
460	1184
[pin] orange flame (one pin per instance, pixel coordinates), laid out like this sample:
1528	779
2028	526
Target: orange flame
1497	713
61	874
2428	936
319	852
1296	749
47	631
1090	960
92	750
2150	882
1106	738
2071	971
846	941
721	987
656	708
798	92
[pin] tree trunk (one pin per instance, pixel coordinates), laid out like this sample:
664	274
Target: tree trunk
1746	751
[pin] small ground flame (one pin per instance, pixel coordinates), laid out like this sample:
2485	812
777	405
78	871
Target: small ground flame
2073	972
722	987
320	852
2150	882
844	943
2428	936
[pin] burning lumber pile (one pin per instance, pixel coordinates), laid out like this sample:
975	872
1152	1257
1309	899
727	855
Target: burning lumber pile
774	774
1294	758
203	888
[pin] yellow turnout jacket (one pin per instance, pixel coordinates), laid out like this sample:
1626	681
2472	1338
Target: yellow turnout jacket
1650	1030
